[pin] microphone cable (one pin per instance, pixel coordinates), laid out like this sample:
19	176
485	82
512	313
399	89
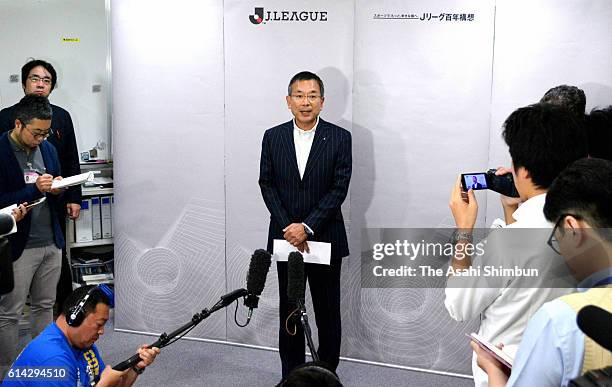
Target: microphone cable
236	317
287	322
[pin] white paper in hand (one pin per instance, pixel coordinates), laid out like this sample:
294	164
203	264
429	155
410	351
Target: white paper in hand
320	252
73	180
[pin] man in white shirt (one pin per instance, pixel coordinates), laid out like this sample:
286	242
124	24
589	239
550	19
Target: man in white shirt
543	140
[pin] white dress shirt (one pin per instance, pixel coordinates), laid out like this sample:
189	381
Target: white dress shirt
302	139
504	312
303	143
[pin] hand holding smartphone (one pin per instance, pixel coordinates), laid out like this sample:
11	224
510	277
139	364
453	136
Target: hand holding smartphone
503	184
35	203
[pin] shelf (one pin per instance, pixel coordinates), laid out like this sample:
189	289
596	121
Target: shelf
99	164
95	191
97	242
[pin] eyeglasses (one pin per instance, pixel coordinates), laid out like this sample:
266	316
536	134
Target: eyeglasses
300	97
44	135
36	79
552	239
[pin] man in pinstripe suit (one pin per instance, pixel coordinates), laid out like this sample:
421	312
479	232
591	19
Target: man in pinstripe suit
304	177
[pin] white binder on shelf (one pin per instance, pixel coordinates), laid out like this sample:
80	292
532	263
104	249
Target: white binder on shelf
83	224
107	230
96	218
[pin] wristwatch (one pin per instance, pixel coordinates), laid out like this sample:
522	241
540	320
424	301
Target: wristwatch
138	371
308	232
461	236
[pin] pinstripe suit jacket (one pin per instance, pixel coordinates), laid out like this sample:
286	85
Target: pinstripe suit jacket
317	197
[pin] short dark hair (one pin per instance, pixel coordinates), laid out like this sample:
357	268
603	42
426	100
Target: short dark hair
311	374
96	297
584	189
31	107
569	97
306	76
25	71
544	139
599	132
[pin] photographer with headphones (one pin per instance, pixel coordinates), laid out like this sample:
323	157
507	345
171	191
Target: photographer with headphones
64	354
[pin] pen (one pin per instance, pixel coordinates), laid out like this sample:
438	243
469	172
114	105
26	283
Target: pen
39	173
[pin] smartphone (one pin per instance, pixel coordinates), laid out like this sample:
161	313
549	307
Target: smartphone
503	184
475	181
35	203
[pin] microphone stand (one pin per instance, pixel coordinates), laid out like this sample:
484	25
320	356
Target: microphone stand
166	339
307	332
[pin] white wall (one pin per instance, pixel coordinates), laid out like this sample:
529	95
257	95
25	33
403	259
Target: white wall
36	29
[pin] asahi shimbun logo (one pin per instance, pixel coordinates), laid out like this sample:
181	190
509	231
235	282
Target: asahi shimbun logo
263	17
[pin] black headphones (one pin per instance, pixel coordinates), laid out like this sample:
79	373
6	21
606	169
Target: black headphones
76	314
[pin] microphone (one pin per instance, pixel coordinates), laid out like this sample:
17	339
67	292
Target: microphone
232	296
296	287
256	279
7	280
7	222
595	322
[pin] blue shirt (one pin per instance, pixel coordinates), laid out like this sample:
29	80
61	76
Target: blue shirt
552	349
52	350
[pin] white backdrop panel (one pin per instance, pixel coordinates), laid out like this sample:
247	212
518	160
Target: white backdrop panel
541	44
169	195
422	95
421	117
260	59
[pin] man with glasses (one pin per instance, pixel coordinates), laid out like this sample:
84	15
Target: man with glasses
543	140
28	167
553	349
304	177
39	77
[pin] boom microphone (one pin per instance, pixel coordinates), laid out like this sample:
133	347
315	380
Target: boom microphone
296	287
7	222
595	322
256	279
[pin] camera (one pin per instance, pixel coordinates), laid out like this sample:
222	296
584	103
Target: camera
503	184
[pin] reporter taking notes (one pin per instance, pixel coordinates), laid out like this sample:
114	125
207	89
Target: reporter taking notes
36	246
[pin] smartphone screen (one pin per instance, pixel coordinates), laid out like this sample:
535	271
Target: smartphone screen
475	181
35	202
